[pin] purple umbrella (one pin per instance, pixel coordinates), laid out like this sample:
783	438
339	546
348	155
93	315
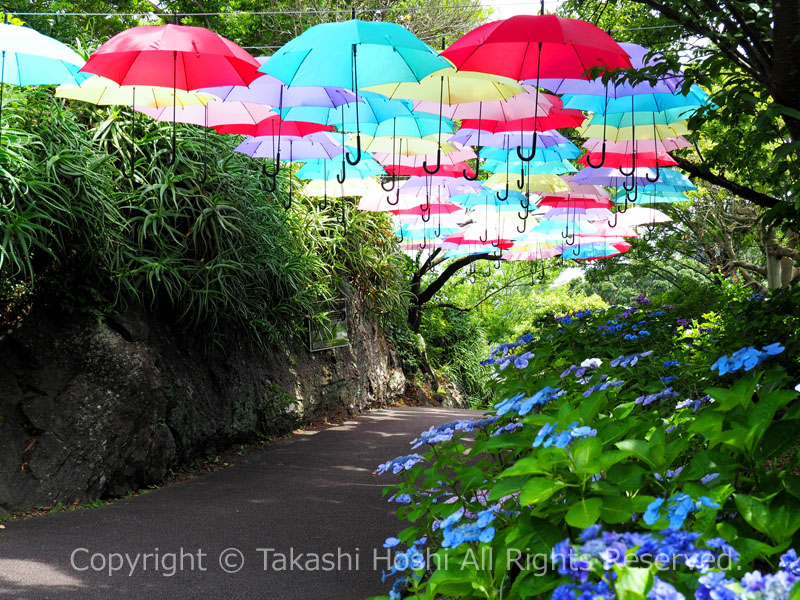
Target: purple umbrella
613	177
271	91
668	84
315	145
506	139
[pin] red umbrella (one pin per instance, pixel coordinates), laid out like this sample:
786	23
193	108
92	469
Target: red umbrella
535	46
176	56
555	120
575	202
186	58
458	239
454	170
643	159
440	208
273	126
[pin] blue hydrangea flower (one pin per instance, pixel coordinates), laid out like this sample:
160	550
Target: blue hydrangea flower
745	358
679	507
401	463
603	386
662	395
547	436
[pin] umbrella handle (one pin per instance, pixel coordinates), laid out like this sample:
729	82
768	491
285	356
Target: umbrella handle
340	177
400	238
125	173
477	167
626	172
357	159
392	183
486	239
616	219
325	194
396	198
267	178
424	243
438	163
276	166
605	121
502	198
529	157
658	173
498	262
635	191
288	204
426	212
521	180
394	158
439	228
632	185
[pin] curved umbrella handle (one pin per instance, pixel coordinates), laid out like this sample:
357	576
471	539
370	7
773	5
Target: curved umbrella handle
477	168
268	177
635	191
616	220
396	198
438	228
324	194
605	121
632	186
632	170
438	163
521	180
498	261
392	182
502	198
486	239
424	218
354	161
400	238
287	204
633	138
340	177
658	173
528	157
424	243
524	224
174	109
125	174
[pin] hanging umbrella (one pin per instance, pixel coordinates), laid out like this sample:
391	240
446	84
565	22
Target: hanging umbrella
604	230
669	83
176	56
535	183
455	170
624	134
325	169
29	58
316	145
270	126
105	92
328	54
639	215
563	151
607	176
653	196
556	167
642	145
453	158
646	102
556	202
643	159
419	125
526	47
571	213
589	251
349	188
555	120
507	140
408	145
273	92
639	119
438	187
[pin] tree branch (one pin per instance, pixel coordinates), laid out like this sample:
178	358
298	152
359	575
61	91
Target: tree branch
484	299
426	294
696	170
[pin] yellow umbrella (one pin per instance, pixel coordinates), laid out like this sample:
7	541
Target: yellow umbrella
543	183
407	145
333	189
449	86
99	90
624	134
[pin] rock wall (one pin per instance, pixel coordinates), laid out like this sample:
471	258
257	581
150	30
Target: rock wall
93	408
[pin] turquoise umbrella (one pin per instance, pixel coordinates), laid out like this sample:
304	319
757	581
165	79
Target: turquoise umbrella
29	58
559	151
371	108
325	169
653	196
641	102
556	167
351	55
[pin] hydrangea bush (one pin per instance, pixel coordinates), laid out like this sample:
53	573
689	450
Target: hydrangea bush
671	444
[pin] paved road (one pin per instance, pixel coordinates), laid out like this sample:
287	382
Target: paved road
311	494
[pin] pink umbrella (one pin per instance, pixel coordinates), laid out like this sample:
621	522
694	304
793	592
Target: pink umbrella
438	187
439	208
516	107
213	114
636	146
604	230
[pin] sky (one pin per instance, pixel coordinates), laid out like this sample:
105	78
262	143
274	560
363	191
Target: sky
508	8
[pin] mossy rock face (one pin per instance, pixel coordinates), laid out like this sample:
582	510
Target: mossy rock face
91	409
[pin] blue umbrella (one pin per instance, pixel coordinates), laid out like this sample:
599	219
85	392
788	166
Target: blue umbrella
323	169
29	58
328	54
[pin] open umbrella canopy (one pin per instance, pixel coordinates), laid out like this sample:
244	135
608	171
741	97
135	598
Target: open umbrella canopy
568	213
448	86
667	84
566	151
517	107
213	114
418	125
179	56
454	170
28	57
611	177
433	208
641	119
507	139
557	119
626	161
401	145
349	188
438	187
330	170
273	92
316	145
453	158
641	145
653	196
370	108
104	91
638	102
569	48
589	251
624	134
604	230
545	183
639	215
554	201
556	167
353	54
272	125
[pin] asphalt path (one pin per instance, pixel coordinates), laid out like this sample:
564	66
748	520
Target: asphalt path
302	518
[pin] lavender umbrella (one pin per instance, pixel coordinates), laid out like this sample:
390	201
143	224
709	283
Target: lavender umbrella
506	139
315	145
612	177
